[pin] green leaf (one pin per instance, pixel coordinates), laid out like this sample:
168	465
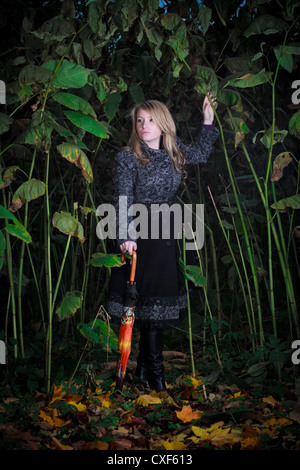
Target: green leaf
8	176
205	14
68	75
2	248
67	224
250	80
294	124
170	21
136	93
74	102
19	231
31	189
285	59
87	123
31	74
64	132
100	333
207	80
6	214
144	68
192	273
96	83
266	139
265	24
111	105
5	122
75	155
291	201
70	303
108	260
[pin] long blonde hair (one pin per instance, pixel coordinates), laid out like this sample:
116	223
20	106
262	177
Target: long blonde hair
164	120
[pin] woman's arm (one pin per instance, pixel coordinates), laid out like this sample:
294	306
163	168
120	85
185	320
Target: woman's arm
125	176
200	152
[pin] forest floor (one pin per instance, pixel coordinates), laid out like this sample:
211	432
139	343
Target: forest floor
192	414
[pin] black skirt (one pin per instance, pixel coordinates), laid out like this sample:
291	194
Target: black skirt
162	297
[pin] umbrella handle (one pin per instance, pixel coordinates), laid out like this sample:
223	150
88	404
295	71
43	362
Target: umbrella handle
133	265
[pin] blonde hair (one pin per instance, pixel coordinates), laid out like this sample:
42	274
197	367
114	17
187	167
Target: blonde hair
164	120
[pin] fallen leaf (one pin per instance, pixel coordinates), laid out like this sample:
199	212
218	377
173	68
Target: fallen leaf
98	445
173	445
78	406
146	400
271	401
250	443
187	414
58	394
120	444
53	419
278	422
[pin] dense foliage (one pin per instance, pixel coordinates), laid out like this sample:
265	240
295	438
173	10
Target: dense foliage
72	72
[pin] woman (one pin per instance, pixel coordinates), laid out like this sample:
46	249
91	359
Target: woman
148	172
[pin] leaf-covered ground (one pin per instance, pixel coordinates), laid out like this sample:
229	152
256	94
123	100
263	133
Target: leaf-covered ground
190	415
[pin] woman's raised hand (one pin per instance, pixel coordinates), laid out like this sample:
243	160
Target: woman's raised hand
208	112
127	247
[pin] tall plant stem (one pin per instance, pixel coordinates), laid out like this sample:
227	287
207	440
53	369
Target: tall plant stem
236	267
48	275
22	263
252	265
285	269
189	312
12	291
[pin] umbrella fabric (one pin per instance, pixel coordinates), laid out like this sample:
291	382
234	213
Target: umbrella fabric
127	321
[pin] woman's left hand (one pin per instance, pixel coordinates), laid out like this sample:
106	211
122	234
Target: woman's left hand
208	112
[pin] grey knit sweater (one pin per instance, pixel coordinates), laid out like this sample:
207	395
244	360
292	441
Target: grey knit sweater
156	183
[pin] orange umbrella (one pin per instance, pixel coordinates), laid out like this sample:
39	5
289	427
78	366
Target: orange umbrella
127	321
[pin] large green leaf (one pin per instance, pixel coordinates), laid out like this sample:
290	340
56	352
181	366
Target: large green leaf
100	333
285	59
292	201
19	231
108	260
250	80
205	14
87	123
74	102
136	93
111	105
170	21
294	124
70	303
75	155
31	74
6	214
31	189
68	224
207	81
265	24
68	75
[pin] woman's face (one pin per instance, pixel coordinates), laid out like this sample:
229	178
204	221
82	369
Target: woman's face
147	131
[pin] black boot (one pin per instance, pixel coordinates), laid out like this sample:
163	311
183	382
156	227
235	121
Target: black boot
153	342
141	372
